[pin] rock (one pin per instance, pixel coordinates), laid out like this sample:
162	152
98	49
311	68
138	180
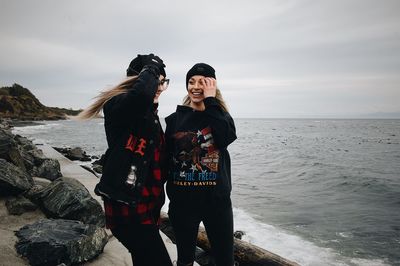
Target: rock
238	234
49	169
78	154
43	182
101	160
67	198
74	154
87	168
9	149
35	162
33	191
53	242
13	180
5	124
98	168
19	205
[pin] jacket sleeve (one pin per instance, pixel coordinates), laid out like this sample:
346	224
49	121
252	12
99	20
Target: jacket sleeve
136	102
221	123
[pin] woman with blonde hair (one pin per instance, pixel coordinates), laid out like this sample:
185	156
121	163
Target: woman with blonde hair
199	180
133	174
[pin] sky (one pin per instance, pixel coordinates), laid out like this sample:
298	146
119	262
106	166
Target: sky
273	59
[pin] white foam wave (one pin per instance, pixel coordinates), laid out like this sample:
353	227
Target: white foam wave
290	246
34	129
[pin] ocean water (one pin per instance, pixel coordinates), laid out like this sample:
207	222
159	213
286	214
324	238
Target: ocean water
318	192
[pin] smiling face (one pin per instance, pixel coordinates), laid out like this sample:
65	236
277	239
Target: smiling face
196	89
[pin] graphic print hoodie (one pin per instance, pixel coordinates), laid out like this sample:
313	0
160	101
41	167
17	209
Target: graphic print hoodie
197	141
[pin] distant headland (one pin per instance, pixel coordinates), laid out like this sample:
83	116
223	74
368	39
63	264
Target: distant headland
18	103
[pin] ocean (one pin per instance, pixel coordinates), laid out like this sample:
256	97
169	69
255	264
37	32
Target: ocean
318	192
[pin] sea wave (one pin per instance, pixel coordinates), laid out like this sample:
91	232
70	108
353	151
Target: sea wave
291	246
34	129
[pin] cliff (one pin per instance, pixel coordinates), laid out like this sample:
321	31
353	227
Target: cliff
17	102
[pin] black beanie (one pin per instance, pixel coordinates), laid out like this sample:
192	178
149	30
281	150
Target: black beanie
201	69
140	61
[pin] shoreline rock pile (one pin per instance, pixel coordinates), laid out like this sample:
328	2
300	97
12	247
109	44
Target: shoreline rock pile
73	231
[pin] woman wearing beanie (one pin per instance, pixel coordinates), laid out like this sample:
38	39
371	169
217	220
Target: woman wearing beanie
133	174
199	180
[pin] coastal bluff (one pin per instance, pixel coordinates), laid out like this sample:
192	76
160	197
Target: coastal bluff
18	103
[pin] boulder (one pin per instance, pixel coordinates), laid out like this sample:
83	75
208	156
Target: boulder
19	205
35	162
67	198
78	154
9	149
49	169
53	242
97	168
13	180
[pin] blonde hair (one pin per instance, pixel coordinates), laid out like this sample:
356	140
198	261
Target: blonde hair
94	109
218	97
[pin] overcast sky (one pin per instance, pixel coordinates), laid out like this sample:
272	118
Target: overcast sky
300	58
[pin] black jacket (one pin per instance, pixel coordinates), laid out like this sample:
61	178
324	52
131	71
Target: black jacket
197	144
133	131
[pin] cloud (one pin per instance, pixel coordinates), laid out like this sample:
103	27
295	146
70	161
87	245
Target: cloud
271	57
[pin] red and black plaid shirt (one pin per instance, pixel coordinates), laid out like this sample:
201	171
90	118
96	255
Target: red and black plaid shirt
147	210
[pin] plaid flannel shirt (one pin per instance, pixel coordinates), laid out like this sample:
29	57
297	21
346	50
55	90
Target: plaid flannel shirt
147	210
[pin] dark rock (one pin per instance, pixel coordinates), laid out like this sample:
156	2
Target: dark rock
68	199
100	161
238	234
98	168
5	124
41	181
78	154
63	151
33	192
9	149
87	168
35	162
19	205
74	154
49	169
13	180
53	242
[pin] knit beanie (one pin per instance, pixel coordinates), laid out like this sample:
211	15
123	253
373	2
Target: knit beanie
201	69
140	61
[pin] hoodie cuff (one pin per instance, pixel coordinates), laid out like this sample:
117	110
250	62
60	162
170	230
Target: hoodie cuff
210	101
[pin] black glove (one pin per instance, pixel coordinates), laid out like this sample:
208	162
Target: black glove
155	61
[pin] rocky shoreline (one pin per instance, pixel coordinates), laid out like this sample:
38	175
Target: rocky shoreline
68	223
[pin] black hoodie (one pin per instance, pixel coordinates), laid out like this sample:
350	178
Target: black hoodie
199	162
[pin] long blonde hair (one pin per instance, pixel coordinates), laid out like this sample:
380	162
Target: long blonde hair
94	109
218	97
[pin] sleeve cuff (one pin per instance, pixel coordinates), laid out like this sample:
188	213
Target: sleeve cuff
210	101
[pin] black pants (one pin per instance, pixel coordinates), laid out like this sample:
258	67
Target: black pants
144	243
217	218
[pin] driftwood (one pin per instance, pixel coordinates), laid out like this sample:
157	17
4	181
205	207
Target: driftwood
245	253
